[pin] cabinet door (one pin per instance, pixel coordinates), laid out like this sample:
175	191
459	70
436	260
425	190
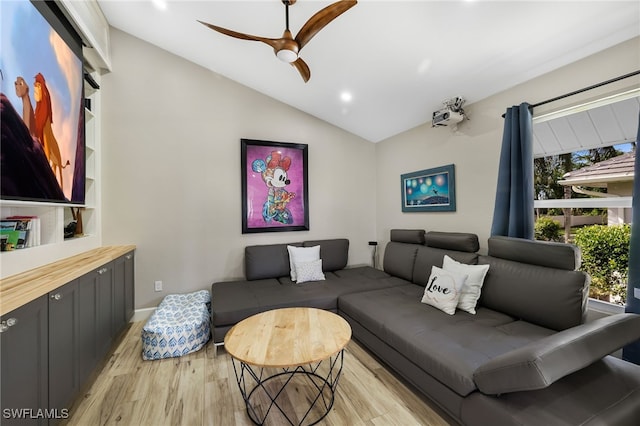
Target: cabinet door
123	292
104	287
88	325
63	345
119	315
23	363
129	285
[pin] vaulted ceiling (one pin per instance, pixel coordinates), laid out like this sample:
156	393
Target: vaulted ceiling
383	67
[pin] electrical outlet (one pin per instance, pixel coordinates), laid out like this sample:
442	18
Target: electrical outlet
158	285
636	293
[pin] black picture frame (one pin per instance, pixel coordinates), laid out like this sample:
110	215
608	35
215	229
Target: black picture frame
429	190
275	186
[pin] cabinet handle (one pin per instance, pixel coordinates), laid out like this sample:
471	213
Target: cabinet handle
4	325
128	257
56	296
102	271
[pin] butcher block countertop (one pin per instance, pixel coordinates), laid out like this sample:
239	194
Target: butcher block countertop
20	289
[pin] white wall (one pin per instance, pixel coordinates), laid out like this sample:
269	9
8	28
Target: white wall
171	170
475	147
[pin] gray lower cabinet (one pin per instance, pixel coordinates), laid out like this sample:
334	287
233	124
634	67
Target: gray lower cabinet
64	321
87	327
123	291
51	346
119	308
129	287
104	309
24	365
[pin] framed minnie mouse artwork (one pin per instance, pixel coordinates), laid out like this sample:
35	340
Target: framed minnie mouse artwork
275	195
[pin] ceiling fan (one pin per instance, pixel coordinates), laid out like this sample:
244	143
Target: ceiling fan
288	48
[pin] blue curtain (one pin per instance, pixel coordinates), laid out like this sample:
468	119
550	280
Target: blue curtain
632	352
513	212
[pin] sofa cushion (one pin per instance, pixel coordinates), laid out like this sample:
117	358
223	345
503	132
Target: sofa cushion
541	253
473	284
334	253
443	290
458	241
449	348
362	272
399	259
541	363
233	301
313	294
409	236
605	393
267	261
358	283
428	257
549	297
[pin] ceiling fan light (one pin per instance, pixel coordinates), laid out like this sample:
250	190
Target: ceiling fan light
287	55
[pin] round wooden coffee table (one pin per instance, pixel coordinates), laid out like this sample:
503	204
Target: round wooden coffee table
298	349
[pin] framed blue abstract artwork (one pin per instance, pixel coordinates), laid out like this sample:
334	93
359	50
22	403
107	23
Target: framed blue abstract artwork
430	190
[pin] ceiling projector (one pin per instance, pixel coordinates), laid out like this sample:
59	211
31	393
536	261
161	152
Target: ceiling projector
451	113
446	117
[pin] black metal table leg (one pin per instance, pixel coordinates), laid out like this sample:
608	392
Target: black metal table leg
251	381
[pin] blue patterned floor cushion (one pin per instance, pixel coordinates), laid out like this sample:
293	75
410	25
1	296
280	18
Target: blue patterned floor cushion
180	325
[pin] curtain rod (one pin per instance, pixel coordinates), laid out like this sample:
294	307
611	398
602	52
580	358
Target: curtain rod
575	92
595	86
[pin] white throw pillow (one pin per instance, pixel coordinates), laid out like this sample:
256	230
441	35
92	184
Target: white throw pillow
472	286
443	290
309	271
301	254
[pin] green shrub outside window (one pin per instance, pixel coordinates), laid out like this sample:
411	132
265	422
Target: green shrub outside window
547	229
605	257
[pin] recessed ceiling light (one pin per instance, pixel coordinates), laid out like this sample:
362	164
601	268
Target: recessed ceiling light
160	4
346	96
424	66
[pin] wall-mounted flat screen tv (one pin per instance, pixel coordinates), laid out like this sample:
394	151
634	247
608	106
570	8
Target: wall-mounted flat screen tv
42	148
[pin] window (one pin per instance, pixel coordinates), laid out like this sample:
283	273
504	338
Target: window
584	175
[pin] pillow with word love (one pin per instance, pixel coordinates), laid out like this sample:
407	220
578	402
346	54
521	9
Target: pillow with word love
443	289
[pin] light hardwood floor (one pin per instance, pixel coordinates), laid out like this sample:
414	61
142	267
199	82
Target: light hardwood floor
200	389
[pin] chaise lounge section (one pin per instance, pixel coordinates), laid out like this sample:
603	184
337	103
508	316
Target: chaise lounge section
269	285
526	357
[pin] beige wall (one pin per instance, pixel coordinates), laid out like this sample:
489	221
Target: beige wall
171	170
475	147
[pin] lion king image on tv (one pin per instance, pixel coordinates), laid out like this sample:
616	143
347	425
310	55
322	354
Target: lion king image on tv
42	146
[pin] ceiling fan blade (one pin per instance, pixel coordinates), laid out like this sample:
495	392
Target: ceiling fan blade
273	42
321	19
302	68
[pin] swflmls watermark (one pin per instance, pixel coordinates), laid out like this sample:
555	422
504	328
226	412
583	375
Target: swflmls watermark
35	413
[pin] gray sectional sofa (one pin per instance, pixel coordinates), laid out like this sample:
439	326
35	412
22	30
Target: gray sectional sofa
526	357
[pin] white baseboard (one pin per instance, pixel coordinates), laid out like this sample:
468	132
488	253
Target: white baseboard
142	314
